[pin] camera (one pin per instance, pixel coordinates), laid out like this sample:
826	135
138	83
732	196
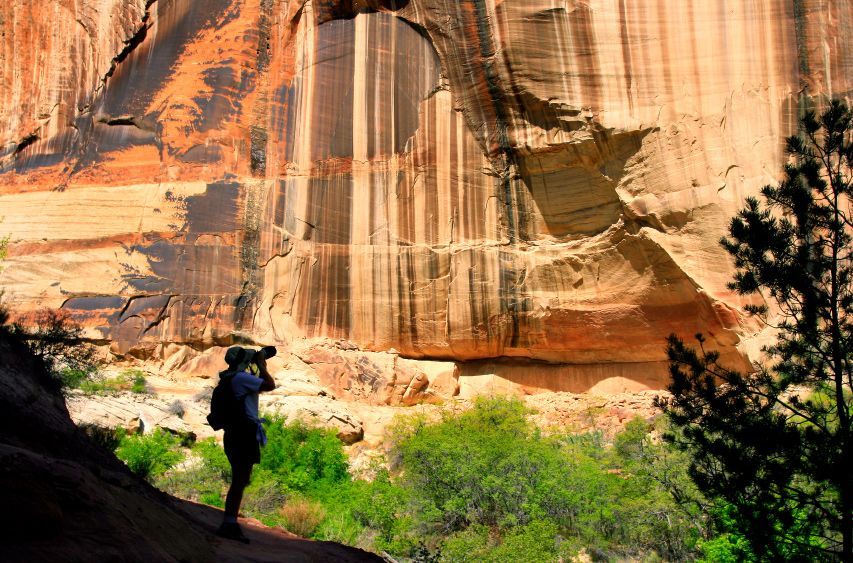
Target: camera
266	352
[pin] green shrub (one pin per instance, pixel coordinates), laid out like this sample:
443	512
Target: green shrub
73	378
4	247
137	381
483	485
132	380
342	527
302	457
264	496
489	471
150	455
487	466
213	457
212	499
196	483
538	541
203	481
470	544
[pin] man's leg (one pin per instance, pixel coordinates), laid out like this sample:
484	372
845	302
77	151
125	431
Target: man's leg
240	475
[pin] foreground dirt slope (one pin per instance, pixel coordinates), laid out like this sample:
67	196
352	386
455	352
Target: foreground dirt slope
64	499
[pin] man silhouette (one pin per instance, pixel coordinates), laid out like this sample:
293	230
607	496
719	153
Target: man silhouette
244	435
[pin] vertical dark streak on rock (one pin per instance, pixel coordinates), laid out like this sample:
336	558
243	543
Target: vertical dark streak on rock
264	24
411	275
133	42
581	22
249	253
258	136
802	47
504	159
258	150
250	247
626	54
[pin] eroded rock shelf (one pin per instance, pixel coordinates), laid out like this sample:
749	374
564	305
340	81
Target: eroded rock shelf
540	180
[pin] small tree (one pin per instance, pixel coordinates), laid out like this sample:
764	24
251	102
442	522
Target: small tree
775	445
4	247
57	341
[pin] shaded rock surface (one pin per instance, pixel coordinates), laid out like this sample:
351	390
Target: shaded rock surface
459	181
67	500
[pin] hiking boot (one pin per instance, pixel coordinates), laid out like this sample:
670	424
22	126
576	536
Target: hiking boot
231	531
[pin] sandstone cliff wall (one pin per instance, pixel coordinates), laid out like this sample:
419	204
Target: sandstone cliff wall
531	179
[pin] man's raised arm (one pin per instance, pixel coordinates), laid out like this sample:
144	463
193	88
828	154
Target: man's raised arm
269	382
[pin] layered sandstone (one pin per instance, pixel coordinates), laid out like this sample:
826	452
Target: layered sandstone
533	188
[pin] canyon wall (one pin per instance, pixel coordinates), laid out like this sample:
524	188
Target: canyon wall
530	187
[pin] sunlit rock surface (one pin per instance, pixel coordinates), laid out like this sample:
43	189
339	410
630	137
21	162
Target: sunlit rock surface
539	184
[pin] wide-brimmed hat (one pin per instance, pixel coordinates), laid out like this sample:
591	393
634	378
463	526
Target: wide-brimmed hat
239	358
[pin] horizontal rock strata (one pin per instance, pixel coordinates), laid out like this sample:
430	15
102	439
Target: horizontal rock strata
534	180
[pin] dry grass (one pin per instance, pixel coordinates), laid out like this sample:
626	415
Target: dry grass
302	516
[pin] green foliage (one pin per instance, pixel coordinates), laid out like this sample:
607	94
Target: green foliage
264	496
150	455
212	498
487	466
303	458
536	542
774	446
487	476
4	248
731	546
213	458
94	383
483	485
137	380
75	378
204	478
197	483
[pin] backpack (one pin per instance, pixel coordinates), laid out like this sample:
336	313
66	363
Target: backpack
225	409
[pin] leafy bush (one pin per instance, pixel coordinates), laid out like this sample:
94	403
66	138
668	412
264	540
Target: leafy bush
4	248
137	379
73	378
303	458
197	483
536	542
213	457
203	479
490	482
150	455
487	467
264	496
483	485
128	380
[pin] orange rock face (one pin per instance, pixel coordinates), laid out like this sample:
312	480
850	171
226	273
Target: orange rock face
521	179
